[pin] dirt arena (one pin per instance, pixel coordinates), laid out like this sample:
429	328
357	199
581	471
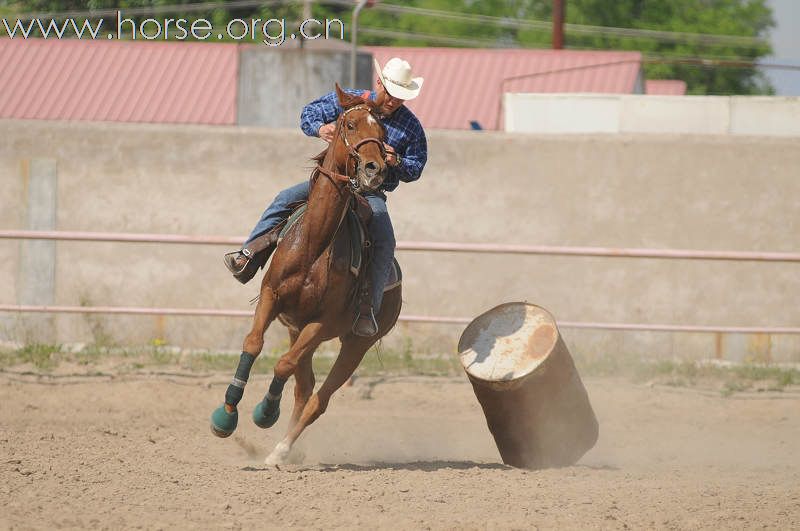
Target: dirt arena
397	452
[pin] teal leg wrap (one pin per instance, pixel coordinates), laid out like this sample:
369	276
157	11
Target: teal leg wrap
223	424
236	389
276	387
267	412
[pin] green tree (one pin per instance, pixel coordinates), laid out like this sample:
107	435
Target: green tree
708	65
744	18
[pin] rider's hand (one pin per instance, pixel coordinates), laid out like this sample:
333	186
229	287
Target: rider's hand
391	155
326	132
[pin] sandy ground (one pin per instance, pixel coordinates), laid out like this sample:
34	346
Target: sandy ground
136	451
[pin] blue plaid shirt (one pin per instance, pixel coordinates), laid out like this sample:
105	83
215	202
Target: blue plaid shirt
403	132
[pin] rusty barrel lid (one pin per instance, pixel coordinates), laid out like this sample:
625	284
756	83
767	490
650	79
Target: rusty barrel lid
504	345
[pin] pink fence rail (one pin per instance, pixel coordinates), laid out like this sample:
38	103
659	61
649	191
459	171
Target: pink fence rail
681	254
208	312
451	247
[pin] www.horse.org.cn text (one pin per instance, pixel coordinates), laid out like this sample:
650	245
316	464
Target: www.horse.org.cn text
272	32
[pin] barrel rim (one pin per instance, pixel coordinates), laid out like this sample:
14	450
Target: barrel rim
524	304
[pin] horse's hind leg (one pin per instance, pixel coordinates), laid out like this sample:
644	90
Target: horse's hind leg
303	387
303	381
351	354
297	361
225	418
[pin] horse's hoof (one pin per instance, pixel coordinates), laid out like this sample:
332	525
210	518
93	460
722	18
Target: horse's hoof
279	455
266	413
223	423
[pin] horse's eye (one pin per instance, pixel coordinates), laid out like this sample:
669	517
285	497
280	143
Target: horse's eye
351	125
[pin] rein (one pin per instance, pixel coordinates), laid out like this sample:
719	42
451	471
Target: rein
341	183
352	151
339	180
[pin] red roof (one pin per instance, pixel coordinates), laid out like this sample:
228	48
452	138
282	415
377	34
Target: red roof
185	82
467	84
119	81
665	87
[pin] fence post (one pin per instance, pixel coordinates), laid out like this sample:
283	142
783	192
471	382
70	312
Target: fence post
36	277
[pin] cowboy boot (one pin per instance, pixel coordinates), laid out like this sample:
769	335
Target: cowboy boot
245	267
245	263
365	324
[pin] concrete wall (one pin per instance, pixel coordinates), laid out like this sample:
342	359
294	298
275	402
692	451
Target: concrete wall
275	85
661	191
598	113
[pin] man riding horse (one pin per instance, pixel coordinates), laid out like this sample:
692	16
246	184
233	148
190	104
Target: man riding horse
406	155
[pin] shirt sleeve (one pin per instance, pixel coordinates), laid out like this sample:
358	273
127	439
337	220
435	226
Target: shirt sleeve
412	159
319	112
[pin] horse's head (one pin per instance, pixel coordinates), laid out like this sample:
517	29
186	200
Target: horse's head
358	141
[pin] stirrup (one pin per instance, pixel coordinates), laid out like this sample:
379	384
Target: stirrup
230	258
251	266
372	323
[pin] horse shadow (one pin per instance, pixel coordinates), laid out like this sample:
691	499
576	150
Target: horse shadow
411	466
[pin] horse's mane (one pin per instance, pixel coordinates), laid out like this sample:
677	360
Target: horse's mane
319	158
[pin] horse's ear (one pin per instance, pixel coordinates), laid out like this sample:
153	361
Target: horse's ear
346	100
340	94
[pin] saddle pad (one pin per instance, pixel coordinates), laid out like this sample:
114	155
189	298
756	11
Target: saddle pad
353	224
357	236
296	214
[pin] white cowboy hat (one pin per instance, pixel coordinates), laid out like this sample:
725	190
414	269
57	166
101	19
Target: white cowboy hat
396	78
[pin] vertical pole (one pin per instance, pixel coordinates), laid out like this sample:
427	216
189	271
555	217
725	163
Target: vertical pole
306	16
354	40
558	24
37	259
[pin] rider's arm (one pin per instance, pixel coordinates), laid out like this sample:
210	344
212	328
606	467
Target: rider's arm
319	112
412	159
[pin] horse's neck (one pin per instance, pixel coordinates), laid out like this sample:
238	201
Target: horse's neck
326	207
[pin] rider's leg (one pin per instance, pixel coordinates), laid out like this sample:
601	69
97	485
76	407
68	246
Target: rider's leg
245	267
279	209
383	244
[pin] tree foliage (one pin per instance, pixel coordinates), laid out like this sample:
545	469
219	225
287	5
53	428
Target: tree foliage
708	66
746	18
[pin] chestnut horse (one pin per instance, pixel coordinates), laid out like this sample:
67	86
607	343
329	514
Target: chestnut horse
309	286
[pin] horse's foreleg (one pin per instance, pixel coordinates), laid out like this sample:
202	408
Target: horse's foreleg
225	418
350	356
293	362
266	311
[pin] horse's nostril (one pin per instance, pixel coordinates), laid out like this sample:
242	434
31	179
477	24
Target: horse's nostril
371	168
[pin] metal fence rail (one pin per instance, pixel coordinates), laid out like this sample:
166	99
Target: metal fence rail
453	247
208	312
682	254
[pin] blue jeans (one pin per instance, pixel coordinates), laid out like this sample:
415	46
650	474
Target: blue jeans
380	229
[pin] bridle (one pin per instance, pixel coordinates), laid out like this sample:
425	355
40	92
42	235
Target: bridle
352	151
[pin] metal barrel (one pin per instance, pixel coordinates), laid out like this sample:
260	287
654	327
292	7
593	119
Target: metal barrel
524	378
